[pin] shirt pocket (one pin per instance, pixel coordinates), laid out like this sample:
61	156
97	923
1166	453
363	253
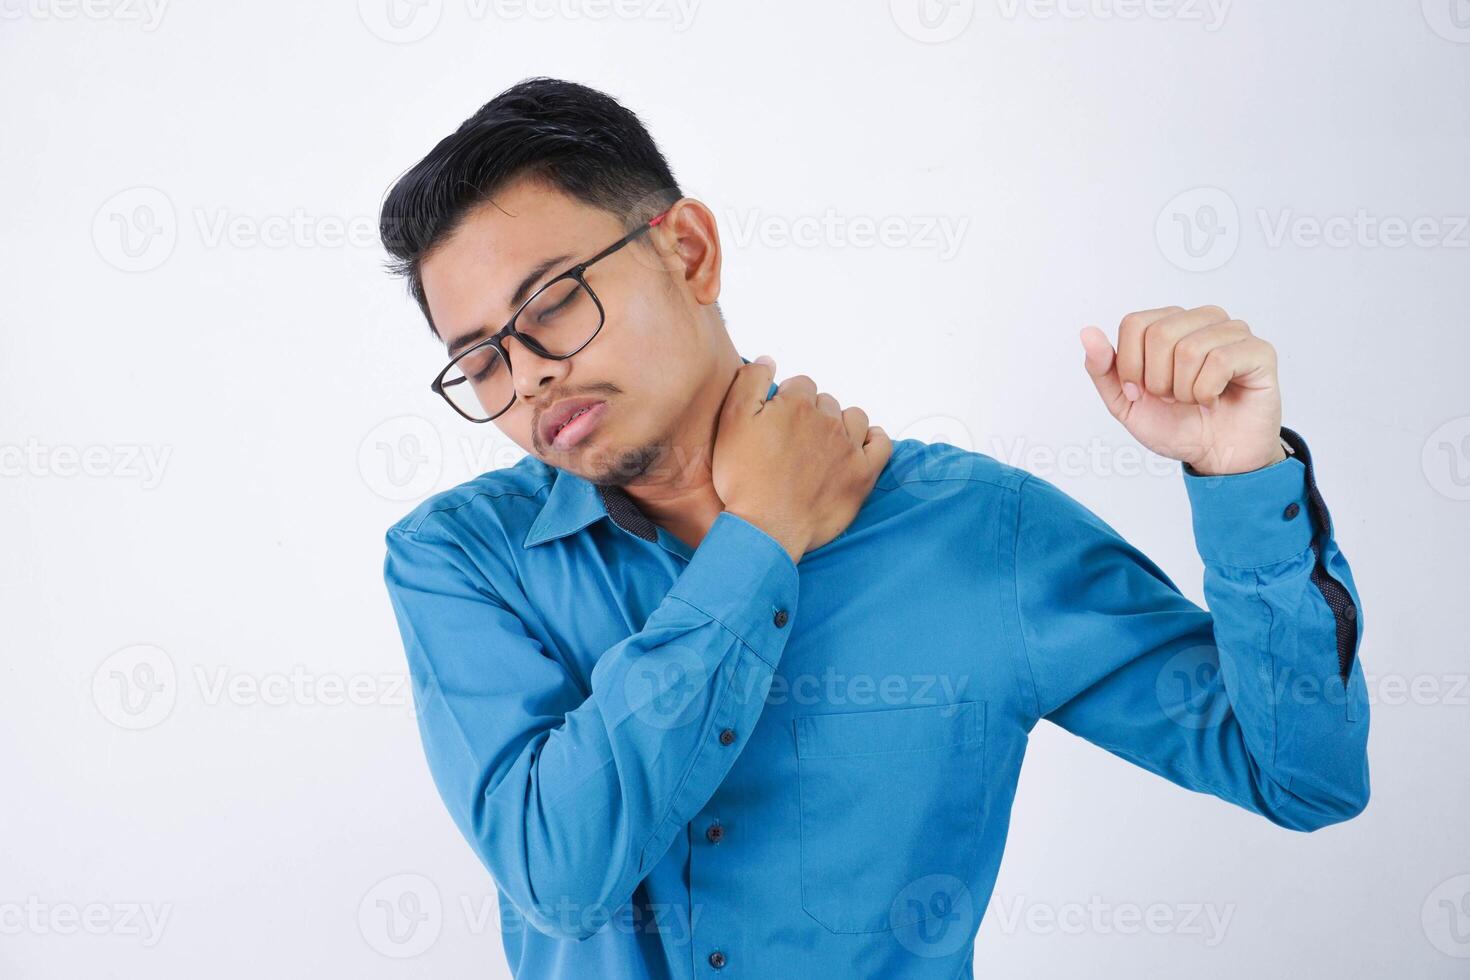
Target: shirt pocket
887	797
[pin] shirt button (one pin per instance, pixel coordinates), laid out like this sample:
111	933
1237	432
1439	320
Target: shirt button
780	618
1291	511
727	737
715	833
717	960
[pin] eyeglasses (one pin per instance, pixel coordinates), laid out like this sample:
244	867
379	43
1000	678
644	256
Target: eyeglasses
557	321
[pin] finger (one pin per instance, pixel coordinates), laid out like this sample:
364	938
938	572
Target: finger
827	404
1158	345
799	386
747	393
856	421
1130	345
877	448
1102	366
1250	362
1191	351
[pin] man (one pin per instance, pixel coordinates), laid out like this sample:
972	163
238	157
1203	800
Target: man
718	681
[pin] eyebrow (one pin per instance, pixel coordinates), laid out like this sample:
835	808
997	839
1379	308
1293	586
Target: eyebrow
516	298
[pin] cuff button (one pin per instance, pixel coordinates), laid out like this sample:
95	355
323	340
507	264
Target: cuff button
1291	511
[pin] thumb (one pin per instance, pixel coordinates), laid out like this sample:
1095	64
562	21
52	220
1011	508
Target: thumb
747	392
1102	367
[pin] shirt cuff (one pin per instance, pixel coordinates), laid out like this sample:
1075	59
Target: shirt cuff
743	578
1259	517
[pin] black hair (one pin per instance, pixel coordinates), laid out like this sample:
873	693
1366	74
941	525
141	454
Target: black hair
580	140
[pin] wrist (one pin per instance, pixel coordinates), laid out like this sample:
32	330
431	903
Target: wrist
1229	467
790	537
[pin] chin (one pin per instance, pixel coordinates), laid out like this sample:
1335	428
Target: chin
615	468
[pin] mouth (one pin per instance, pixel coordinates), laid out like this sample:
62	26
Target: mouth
571	422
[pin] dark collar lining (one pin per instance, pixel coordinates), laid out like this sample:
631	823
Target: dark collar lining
625	513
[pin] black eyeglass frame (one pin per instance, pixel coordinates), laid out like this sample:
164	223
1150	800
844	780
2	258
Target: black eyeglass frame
497	340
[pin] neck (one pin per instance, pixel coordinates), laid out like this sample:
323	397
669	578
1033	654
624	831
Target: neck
678	492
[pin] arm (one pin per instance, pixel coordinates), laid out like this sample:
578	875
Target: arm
566	800
1260	700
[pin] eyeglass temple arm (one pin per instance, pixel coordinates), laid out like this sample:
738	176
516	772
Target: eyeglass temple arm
652	223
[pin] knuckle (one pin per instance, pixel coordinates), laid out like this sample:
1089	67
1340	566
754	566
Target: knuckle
1189	350
1213	311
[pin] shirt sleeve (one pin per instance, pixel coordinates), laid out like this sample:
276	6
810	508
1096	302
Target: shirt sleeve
570	799
1260	700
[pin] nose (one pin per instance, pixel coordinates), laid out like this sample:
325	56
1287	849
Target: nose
531	372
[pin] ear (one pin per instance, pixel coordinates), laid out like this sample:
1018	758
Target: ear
687	242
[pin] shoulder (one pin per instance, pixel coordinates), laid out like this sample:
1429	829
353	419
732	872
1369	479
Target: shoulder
916	463
508	498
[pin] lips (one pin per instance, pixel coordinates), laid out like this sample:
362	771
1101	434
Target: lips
561	413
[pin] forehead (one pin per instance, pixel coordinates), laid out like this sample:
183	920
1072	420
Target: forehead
470	277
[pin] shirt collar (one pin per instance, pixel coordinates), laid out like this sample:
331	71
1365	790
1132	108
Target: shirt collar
575	502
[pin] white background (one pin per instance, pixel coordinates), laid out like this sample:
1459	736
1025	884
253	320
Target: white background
213	402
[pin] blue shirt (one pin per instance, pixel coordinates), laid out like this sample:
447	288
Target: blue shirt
718	763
